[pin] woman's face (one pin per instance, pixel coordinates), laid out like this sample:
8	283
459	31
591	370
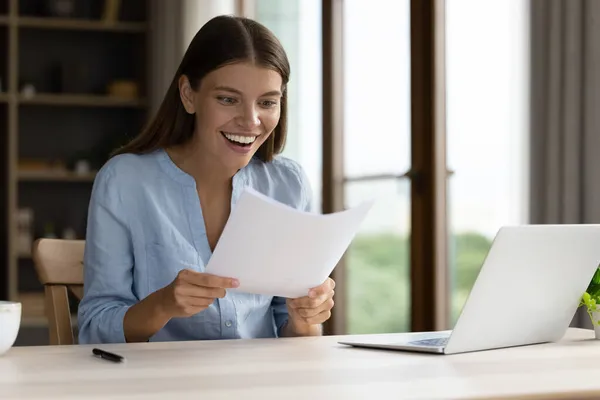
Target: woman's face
237	107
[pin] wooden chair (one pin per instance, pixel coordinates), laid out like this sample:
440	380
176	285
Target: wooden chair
59	266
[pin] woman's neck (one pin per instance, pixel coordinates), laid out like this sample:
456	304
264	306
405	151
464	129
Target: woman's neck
206	171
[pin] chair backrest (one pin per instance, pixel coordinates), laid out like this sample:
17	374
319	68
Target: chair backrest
59	266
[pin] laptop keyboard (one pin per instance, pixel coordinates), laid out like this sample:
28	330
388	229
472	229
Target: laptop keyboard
431	342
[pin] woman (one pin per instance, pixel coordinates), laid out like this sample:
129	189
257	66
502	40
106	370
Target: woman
160	204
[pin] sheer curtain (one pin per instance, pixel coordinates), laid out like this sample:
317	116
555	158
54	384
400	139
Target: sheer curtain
565	121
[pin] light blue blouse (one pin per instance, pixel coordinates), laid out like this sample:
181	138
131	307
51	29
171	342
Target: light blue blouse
145	224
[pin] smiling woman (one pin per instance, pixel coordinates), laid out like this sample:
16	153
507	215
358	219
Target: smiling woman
239	102
158	207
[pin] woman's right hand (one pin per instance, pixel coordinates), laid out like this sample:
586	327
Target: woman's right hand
192	292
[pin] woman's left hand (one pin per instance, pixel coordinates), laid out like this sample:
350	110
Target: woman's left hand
313	309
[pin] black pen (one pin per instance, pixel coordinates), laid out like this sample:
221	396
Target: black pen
107	355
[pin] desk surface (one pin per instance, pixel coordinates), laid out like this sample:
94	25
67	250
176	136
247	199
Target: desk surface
304	368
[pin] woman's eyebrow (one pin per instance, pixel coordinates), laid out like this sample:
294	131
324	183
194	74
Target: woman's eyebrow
272	93
227	89
232	90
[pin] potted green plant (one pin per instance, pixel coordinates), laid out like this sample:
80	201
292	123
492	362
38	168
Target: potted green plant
591	300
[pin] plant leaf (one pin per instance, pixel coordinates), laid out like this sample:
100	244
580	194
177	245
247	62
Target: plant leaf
596	277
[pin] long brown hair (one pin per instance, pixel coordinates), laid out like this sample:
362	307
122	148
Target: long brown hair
222	40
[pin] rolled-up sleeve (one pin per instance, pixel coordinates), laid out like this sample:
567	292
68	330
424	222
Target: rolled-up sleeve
108	265
280	313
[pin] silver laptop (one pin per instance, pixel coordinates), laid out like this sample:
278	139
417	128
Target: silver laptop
527	292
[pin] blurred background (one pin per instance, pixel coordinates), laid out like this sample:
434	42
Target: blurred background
457	116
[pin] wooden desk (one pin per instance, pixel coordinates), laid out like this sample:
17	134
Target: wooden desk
303	368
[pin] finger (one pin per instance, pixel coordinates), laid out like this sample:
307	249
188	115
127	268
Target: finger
190	290
194	305
193	302
200	301
308	302
313	312
322	289
320	318
207	280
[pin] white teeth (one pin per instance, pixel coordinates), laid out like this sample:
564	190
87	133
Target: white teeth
240	139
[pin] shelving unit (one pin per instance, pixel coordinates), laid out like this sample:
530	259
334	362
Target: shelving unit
79	24
79	100
58	176
72	87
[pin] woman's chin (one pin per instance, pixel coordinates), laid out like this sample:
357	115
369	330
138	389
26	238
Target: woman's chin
237	161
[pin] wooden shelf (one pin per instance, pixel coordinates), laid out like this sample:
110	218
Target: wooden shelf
4	20
79	24
4	97
55	176
83	100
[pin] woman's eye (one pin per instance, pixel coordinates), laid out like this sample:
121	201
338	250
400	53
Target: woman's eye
226	100
269	103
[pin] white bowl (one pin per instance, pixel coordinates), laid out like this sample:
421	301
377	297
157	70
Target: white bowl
10	322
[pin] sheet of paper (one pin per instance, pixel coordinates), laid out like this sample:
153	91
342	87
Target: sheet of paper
273	249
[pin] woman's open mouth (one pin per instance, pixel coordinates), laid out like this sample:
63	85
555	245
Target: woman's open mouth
239	140
241	144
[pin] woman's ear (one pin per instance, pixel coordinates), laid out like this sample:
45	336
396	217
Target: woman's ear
186	94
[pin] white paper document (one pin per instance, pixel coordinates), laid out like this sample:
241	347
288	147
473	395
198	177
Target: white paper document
273	249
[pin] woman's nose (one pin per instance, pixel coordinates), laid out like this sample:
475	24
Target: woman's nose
248	118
